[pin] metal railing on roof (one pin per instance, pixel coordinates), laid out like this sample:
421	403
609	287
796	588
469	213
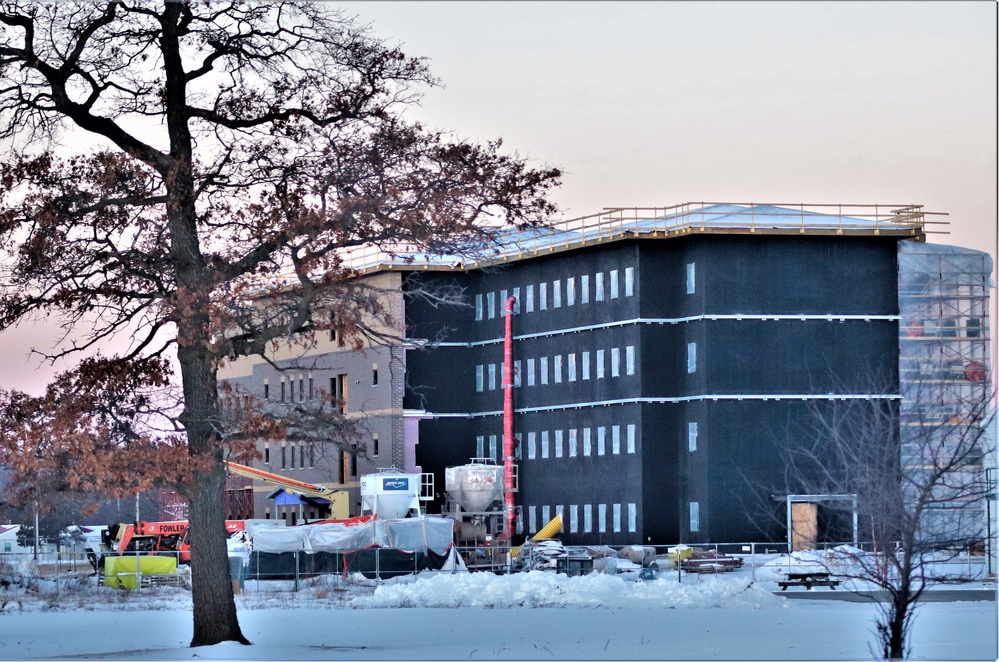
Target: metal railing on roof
615	223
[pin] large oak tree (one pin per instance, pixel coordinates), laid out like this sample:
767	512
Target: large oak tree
238	146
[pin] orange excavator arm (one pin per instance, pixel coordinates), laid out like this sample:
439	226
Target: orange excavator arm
339	502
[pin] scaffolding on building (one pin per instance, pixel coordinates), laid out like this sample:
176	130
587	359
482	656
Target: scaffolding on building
945	371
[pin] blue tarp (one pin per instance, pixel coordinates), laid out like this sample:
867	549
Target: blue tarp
283	498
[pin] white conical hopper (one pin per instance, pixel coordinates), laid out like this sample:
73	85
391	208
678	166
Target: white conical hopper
474	486
390	495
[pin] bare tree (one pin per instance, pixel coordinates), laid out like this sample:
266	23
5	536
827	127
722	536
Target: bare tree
239	146
918	478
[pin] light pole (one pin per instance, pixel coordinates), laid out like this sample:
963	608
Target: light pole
36	531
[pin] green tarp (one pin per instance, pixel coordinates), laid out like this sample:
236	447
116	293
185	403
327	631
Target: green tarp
119	571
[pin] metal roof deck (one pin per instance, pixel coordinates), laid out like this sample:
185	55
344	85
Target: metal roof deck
623	223
620	223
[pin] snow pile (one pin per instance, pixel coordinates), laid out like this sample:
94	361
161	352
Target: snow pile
546	589
841	560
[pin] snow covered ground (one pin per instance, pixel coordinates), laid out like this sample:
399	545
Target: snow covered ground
533	616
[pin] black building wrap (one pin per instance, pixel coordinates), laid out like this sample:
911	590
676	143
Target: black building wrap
772	315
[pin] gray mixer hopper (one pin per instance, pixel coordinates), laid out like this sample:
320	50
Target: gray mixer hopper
474	487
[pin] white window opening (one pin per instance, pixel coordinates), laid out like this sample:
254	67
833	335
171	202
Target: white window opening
570	291
629	281
573	518
690	277
600	364
584	289
601	440
692	436
558	443
695	516
546	515
491	305
602	518
571	366
532	446
480	444
615	362
544	444
691	357
632	518
543	369
529	298
631	438
629	359
616	510
542	296
572	442
556	294
558	368
516	374
479	378
616	440
530	372
492	447
586	442
599	284
478	307
586	366
532	517
492	376
587	518
613	284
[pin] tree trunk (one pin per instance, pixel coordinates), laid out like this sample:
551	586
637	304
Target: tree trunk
896	631
215	617
211	589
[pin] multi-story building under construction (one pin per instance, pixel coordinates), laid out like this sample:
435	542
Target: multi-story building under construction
659	355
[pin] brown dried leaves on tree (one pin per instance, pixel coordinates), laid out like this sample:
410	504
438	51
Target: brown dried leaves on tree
87	434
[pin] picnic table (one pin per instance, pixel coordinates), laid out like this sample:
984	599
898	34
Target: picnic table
808	579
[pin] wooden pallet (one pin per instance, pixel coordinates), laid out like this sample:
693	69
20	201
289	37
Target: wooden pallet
710	564
171	579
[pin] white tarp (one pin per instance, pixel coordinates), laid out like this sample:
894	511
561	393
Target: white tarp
339	538
434	533
415	534
454	563
281	539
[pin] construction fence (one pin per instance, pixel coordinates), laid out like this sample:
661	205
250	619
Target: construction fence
754	560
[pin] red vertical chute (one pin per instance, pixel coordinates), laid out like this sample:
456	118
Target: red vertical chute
508	523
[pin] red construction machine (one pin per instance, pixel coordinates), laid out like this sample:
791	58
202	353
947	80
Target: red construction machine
155	537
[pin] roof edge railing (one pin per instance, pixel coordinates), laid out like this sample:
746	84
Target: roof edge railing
614	223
